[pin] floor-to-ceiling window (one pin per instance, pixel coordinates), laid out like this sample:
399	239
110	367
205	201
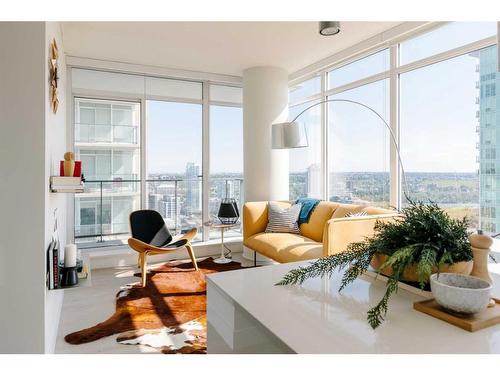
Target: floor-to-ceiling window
448	124
305	166
358	146
226	150
107	143
438	134
174	163
358	140
141	141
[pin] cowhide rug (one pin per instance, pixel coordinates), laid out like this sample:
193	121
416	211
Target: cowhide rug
169	314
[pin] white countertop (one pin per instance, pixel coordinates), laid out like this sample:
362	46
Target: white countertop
315	318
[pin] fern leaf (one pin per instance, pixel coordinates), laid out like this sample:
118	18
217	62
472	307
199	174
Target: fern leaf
400	256
323	266
376	315
425	265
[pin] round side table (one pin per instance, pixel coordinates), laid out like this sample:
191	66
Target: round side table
218	225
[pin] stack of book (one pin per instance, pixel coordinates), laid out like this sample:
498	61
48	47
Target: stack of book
61	184
53	265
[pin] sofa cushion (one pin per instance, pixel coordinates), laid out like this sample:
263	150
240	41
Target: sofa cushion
344	209
285	247
378	211
321	214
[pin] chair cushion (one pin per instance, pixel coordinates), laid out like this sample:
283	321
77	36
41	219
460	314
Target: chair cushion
285	247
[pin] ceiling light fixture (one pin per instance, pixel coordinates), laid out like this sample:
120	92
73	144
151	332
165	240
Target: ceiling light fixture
327	28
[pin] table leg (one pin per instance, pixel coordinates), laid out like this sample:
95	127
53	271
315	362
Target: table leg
222	259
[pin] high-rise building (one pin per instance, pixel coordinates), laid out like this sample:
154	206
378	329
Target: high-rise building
154	201
106	141
193	191
171	209
314	181
489	138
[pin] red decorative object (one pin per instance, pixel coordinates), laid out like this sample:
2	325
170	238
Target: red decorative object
78	168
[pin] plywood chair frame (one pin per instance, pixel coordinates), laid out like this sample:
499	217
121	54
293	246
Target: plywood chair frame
144	249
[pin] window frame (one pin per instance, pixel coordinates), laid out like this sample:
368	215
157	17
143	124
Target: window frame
209	230
205	102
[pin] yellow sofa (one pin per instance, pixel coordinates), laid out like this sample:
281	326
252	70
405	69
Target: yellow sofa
327	232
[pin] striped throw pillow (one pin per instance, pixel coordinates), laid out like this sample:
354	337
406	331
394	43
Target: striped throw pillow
283	220
354	214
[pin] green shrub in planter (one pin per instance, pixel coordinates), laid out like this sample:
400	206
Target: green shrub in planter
424	236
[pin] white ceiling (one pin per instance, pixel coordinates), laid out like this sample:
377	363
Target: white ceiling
215	47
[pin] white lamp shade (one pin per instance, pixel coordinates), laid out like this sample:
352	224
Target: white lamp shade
289	135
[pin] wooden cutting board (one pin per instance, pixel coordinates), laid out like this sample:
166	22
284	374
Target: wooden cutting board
486	318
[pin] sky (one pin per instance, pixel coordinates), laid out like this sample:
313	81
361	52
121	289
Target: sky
174	137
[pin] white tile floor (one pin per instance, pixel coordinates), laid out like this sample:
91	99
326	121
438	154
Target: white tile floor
94	302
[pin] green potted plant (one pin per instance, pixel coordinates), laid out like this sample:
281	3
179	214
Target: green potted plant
422	241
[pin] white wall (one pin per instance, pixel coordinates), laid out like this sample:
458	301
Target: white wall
55	147
31	138
22	168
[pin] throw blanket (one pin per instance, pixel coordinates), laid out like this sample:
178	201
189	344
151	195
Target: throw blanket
308	206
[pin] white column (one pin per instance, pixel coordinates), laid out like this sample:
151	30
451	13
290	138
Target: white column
265	101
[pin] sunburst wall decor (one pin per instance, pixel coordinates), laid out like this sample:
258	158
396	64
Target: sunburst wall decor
54	77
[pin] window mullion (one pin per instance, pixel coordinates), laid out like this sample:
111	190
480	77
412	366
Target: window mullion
394	167
206	159
324	137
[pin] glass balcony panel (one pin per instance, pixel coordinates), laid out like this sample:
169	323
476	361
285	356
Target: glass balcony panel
179	201
225	186
102	212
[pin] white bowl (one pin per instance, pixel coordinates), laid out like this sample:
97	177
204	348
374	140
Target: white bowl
460	293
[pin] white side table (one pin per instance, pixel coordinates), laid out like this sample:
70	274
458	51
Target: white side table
218	225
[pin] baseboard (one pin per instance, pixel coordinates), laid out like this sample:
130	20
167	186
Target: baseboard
124	256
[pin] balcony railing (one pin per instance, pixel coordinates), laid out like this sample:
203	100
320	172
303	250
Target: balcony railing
101	212
95	133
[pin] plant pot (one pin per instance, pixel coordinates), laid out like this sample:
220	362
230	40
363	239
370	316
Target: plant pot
410	273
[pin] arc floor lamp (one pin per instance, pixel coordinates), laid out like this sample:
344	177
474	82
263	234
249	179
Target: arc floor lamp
293	134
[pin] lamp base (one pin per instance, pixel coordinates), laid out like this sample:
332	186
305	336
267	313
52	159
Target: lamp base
222	260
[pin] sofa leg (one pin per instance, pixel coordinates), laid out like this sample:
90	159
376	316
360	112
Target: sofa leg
255	259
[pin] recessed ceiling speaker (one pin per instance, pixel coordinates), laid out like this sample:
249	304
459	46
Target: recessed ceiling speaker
327	28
